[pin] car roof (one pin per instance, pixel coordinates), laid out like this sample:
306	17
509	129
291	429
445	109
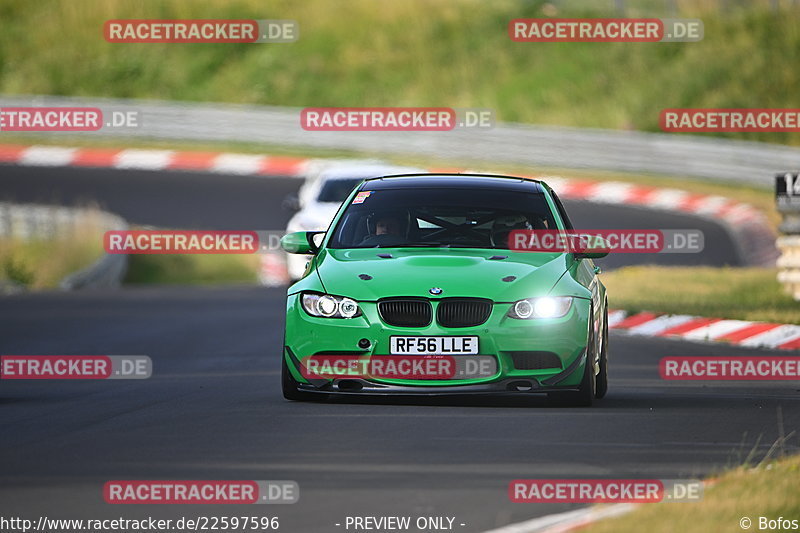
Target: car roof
456	181
361	171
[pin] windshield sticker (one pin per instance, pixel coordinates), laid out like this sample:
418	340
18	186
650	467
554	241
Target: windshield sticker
360	197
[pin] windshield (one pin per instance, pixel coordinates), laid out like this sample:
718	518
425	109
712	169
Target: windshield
337	190
439	217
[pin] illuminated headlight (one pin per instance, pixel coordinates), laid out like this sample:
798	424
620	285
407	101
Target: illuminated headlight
329	306
544	307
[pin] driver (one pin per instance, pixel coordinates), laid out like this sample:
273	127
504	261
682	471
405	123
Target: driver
504	225
385	229
388	225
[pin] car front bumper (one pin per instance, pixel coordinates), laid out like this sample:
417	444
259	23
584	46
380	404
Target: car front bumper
500	336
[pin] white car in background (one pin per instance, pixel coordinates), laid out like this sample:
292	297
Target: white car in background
326	186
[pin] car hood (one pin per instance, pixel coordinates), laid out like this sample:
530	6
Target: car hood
363	275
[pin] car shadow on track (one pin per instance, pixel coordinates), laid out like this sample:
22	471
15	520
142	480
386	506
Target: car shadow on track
660	399
528	401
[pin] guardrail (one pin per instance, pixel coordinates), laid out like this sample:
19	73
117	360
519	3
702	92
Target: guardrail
36	221
539	146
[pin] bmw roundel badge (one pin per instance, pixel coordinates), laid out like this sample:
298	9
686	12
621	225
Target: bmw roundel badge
435	290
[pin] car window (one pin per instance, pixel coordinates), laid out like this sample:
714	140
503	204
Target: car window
439	217
561	211
337	190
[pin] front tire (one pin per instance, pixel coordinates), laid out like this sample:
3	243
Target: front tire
585	395
601	383
289	385
587	390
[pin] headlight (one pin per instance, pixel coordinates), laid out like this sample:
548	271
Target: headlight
544	307
329	306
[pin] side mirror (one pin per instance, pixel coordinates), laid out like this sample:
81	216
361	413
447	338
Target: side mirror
599	249
301	242
598	254
291	202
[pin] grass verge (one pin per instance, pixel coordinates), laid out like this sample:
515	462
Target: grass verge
768	491
737	293
41	263
186	269
417	53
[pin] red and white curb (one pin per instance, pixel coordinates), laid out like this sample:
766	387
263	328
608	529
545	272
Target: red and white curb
613	192
133	159
567	521
753	234
610	192
696	328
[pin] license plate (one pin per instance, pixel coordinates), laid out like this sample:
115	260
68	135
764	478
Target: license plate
434	345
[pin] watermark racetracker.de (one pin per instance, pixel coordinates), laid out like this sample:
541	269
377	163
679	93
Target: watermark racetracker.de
75	367
394	118
68	119
605	30
201	31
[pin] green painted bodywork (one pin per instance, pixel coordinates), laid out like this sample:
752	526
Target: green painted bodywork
298	242
459	272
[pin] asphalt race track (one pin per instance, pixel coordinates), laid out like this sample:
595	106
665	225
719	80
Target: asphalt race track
213	408
212	201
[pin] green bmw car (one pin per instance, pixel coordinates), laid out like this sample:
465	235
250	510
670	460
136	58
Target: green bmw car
415	290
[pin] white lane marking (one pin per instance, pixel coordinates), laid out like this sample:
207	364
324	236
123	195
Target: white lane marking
47	156
143	159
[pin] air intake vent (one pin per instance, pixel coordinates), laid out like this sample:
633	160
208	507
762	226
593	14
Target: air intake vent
535	360
406	312
463	312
